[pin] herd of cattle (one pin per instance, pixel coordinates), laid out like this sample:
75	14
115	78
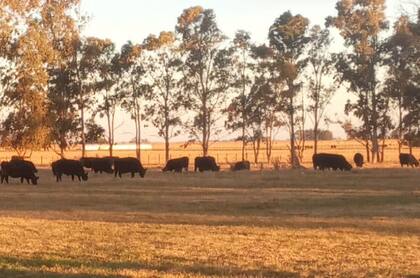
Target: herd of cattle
25	170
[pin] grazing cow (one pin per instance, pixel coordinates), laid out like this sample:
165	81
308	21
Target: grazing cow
98	165
69	168
409	160
240	166
177	165
128	165
334	162
359	160
19	169
207	163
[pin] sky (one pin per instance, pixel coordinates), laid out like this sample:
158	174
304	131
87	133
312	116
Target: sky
123	20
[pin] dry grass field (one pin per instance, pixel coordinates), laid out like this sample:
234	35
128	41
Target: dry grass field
364	223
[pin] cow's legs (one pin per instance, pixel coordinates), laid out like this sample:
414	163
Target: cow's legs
78	176
72	177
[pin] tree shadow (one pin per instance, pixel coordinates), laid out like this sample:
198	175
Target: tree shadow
167	264
41	274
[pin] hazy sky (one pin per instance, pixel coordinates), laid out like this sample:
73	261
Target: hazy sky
123	20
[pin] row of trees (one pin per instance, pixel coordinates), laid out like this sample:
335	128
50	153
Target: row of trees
194	78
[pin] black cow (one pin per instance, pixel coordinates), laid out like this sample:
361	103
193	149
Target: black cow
207	163
177	165
128	165
241	165
19	169
359	160
334	162
69	167
409	160
98	165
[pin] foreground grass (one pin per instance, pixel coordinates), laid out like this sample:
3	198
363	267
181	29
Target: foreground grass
261	224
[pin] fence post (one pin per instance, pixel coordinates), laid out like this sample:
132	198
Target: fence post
41	161
148	159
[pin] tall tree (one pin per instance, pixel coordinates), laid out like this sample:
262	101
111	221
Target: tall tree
62	88
36	49
105	87
164	64
361	23
239	109
206	72
320	66
403	73
288	36
134	87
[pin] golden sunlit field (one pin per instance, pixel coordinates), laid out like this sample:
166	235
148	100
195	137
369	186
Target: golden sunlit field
364	223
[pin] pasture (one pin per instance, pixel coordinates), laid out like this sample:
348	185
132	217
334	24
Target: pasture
364	223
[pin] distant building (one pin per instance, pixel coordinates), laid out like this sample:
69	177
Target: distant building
117	147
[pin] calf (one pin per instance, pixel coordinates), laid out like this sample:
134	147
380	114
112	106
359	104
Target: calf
69	168
98	165
240	166
334	162
409	160
177	165
359	160
128	165
207	163
19	169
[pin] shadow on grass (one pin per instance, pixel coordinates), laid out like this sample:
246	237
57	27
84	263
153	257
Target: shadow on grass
41	274
173	265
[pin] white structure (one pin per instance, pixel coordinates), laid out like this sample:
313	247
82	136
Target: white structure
117	147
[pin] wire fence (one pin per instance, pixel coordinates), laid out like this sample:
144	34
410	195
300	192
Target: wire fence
155	157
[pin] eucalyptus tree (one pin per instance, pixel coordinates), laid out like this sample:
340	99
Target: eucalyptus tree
134	88
206	74
239	108
164	64
288	36
320	69
39	44
361	23
104	88
403	75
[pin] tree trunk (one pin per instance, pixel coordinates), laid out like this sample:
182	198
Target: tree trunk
167	126
367	151
316	128
243	142
400	125
256	144
292	133
110	141
82	118
205	135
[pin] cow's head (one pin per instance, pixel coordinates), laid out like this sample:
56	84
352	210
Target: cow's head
143	172
85	176
348	167
35	180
